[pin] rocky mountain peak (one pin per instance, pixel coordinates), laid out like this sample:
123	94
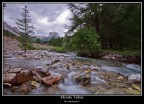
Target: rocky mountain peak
53	35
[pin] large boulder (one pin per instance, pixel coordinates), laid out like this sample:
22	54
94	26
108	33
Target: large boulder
17	76
23	76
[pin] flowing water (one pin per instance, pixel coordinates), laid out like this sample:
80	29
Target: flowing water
68	85
111	65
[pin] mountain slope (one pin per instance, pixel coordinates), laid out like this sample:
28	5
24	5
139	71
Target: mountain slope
10	44
11	29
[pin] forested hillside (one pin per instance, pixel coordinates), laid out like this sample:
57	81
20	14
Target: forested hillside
117	25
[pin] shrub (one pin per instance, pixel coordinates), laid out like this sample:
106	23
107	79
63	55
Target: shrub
85	42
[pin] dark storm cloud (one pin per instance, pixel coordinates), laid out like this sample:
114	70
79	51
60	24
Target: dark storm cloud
46	17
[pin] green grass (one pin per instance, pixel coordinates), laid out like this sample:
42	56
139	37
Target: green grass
58	49
125	52
30	47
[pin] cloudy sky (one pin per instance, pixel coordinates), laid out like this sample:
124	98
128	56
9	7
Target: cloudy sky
46	17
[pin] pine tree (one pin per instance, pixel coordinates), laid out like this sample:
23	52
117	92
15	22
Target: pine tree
118	25
24	26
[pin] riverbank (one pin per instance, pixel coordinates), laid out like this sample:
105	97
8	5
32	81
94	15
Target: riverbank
121	58
131	57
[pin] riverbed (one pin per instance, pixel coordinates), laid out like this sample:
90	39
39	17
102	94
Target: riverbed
107	76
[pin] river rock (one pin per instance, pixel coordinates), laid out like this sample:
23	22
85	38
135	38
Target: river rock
136	78
120	78
112	56
15	70
55	61
35	84
24	55
45	71
23	76
48	74
36	78
51	79
78	79
9	78
36	57
6	67
24	89
86	80
8	56
20	53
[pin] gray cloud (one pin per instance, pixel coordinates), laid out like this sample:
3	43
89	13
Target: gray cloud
46	17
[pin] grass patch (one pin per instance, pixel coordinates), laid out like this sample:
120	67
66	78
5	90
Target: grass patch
30	47
42	46
59	49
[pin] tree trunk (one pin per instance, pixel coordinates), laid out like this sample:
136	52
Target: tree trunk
25	34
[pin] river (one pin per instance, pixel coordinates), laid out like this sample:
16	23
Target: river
100	70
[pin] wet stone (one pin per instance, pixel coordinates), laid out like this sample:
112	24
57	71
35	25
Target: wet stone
135	78
120	78
23	76
35	84
15	70
8	56
24	89
9	78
